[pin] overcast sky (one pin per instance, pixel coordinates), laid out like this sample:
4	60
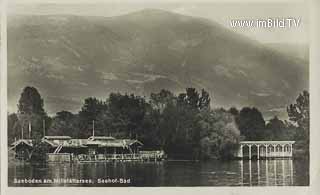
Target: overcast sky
213	10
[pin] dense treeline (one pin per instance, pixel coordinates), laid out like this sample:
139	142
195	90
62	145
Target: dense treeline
184	125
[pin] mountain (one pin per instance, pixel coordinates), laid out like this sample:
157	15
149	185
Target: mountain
297	50
69	58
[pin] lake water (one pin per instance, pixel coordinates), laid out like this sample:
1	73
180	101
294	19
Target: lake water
167	173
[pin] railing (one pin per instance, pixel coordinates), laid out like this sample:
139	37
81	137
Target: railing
120	157
58	149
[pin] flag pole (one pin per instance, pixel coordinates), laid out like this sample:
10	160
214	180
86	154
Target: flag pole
44	127
29	130
93	128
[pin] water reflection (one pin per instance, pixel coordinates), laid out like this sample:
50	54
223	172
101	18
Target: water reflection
215	173
271	173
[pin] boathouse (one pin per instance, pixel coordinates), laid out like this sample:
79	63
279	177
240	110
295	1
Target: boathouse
65	148
22	149
65	144
265	149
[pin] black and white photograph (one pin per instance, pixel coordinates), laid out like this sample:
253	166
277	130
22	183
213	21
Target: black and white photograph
157	93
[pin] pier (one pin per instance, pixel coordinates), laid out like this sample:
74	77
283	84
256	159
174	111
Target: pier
92	149
153	156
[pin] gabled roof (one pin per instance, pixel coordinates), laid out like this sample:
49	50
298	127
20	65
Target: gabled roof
57	137
71	143
133	141
267	142
124	143
67	141
101	138
27	142
113	143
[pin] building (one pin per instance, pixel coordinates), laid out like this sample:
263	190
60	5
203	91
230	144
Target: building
265	149
22	149
95	148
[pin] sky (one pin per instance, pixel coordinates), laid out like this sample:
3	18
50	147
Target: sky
213	10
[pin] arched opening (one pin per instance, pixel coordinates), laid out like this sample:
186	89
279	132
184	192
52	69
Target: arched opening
254	152
262	151
286	150
270	151
245	150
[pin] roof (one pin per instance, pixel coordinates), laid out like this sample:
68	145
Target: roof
101	138
71	143
57	137
267	142
66	141
133	141
27	142
118	143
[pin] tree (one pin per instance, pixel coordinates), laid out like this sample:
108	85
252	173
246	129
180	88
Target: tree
14	128
31	113
179	127
234	111
30	102
160	100
219	134
276	129
90	112
184	126
126	114
251	123
204	100
39	150
194	100
299	114
65	123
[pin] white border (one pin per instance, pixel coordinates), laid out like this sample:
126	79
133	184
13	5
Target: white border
3	95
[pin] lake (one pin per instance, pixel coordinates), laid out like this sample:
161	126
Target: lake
282	172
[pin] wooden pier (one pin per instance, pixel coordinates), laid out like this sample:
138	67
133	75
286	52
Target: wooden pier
83	158
93	149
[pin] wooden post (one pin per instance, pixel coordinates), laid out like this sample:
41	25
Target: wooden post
241	171
275	172
267	172
258	151
44	127
250	172
291	171
266	155
22	132
240	152
93	129
249	152
29	128
258	167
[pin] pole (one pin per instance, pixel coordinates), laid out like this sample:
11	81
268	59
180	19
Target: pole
93	129
44	127
29	130
22	132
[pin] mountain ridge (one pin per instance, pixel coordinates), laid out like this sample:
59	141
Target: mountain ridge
84	56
